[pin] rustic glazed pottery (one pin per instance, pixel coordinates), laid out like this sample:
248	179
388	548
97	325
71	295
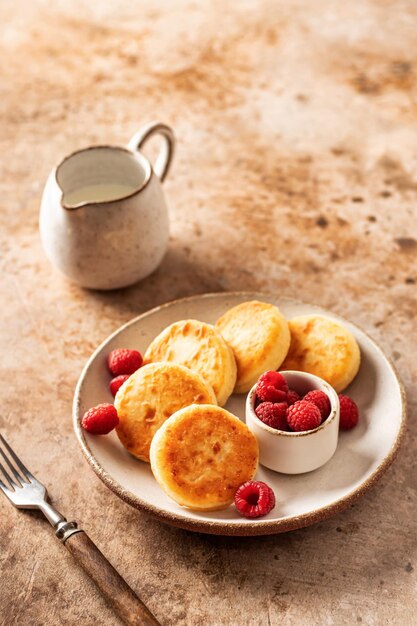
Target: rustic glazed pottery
296	453
104	220
361	457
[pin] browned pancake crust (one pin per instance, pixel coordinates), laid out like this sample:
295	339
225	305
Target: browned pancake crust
200	347
201	456
259	336
150	396
322	346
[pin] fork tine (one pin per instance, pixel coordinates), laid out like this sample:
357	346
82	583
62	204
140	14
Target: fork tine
9	479
29	477
16	474
3	487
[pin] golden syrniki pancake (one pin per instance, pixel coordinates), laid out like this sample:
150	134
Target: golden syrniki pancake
150	396
259	337
322	346
200	347
201	455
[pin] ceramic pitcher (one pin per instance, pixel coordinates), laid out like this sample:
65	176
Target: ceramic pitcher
103	219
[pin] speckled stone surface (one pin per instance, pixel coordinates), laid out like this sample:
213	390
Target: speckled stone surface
296	172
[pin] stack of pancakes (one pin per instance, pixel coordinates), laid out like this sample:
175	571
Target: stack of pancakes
170	409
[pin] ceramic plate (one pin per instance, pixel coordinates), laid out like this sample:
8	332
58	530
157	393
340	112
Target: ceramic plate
362	455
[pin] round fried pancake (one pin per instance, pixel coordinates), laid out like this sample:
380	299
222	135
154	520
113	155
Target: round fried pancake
201	455
151	395
323	347
201	348
259	337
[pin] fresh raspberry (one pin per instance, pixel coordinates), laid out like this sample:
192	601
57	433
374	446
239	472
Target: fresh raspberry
272	387
254	499
292	397
349	413
124	361
100	420
303	416
117	382
321	400
274	415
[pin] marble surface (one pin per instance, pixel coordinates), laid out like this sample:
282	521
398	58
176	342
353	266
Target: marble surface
295	173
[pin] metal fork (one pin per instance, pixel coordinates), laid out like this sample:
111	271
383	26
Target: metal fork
26	492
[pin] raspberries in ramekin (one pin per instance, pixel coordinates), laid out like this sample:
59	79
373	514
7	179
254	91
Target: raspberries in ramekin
284	409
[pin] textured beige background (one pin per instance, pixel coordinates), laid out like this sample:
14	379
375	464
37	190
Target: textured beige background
296	172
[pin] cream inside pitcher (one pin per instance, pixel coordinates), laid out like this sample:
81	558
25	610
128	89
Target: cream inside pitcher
104	220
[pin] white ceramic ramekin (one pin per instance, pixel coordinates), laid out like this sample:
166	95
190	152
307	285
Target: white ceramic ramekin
296	452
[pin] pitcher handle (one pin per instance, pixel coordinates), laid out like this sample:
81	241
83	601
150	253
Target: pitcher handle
166	153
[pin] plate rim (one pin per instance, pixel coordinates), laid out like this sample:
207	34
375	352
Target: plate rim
224	527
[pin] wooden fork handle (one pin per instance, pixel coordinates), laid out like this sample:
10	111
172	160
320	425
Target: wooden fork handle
113	587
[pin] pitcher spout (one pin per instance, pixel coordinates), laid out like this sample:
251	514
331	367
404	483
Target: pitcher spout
100	175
